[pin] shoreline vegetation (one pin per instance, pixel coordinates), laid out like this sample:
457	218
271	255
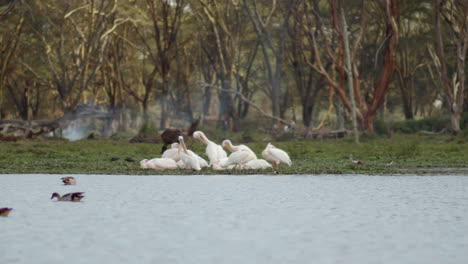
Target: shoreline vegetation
403	154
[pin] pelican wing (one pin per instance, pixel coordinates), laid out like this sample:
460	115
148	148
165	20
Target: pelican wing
257	164
190	161
280	155
163	164
215	152
172	153
240	157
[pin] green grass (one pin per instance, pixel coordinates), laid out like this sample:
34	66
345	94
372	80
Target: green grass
410	153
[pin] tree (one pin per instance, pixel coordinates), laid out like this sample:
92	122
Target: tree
455	14
332	46
221	45
273	51
74	41
9	40
307	83
160	43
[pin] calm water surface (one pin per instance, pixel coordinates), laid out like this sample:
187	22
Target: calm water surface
236	219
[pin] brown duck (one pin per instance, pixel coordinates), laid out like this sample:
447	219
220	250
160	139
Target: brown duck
68	180
69	197
5	211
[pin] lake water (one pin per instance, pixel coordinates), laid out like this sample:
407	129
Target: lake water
236	219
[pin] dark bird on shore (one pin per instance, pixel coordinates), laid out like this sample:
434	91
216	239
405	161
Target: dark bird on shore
69	180
171	135
5	211
69	197
355	161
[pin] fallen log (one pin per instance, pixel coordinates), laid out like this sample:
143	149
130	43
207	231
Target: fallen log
328	134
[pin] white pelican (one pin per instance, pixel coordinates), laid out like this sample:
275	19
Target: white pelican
190	159
172	153
276	156
143	164
161	164
220	164
228	145
256	164
237	158
213	150
240	154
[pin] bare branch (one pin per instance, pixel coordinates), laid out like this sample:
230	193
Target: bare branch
245	99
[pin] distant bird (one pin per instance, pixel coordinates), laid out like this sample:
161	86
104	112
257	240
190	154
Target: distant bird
220	164
172	153
114	159
355	161
276	156
213	150
144	164
129	159
69	180
239	158
240	154
256	164
171	135
190	161
390	163
162	164
227	144
69	197
5	211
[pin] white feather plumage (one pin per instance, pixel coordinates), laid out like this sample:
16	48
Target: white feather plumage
276	155
213	150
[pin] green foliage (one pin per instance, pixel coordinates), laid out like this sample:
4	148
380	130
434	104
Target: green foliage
410	154
380	127
464	121
148	128
435	123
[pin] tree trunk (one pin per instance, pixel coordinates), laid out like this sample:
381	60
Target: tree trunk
340	118
163	103
388	67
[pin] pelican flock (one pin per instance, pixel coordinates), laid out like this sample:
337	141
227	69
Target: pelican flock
241	157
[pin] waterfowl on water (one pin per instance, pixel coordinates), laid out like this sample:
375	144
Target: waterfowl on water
355	161
69	180
69	197
275	156
213	150
5	211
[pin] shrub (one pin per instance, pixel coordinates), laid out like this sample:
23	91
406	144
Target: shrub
435	123
380	127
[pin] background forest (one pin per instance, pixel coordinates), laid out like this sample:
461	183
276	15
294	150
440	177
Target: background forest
128	64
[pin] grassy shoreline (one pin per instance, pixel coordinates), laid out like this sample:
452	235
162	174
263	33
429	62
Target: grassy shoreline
411	154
